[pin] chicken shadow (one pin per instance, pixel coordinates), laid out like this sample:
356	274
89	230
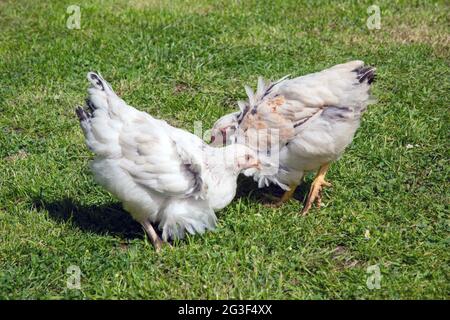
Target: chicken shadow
248	188
112	219
105	219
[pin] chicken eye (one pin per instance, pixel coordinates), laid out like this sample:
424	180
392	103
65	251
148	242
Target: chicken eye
247	157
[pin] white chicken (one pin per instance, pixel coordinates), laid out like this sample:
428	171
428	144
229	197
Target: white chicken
162	174
315	118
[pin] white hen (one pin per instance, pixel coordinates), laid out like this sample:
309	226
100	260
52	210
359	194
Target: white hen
315	117
161	174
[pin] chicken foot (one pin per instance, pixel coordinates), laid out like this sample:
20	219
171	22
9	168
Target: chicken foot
316	187
152	235
287	195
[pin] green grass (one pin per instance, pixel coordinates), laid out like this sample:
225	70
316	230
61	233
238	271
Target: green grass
185	62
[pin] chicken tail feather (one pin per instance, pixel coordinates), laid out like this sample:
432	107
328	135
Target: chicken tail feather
97	81
365	73
101	95
81	114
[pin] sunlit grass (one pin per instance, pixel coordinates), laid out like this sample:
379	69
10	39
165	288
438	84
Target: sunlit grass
188	61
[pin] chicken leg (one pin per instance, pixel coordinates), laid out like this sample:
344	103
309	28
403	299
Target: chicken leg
287	195
316	188
153	236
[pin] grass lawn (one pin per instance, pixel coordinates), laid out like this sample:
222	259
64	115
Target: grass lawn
188	61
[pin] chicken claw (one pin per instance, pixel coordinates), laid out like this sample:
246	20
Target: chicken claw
152	235
285	198
316	187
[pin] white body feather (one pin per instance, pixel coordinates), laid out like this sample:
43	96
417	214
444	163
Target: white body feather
161	174
317	115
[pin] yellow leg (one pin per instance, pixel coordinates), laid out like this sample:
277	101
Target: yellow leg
286	196
153	236
316	187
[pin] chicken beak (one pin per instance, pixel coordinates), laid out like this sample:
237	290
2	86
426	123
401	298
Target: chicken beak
258	165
